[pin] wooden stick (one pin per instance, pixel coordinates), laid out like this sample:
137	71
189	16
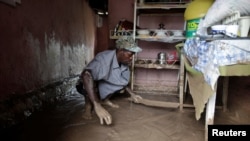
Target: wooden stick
154	103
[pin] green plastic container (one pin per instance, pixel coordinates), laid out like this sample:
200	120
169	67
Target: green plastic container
191	27
196	10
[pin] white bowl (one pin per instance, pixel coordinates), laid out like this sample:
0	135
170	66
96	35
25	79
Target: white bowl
178	32
161	33
217	29
232	30
143	32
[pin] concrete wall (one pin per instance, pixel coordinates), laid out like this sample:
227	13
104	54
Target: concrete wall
42	43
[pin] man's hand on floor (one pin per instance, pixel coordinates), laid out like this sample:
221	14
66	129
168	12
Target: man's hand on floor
135	98
103	114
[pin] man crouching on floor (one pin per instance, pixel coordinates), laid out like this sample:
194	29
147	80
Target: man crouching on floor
106	74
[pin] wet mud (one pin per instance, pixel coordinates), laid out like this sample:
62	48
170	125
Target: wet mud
131	122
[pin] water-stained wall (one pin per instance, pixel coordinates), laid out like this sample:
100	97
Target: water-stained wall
42	42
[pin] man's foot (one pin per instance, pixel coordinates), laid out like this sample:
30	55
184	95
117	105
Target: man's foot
109	103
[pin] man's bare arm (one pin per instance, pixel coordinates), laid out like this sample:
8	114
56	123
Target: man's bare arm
88	83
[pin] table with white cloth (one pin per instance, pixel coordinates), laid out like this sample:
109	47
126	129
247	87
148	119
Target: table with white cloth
207	60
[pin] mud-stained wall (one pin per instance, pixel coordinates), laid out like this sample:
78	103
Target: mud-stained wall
42	42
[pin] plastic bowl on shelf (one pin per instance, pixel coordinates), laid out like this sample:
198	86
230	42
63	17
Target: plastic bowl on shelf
160	33
178	32
217	29
143	32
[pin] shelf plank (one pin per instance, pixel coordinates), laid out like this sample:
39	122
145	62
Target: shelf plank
161	6
155	89
166	39
158	66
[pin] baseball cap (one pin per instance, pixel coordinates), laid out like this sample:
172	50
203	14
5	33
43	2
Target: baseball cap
128	43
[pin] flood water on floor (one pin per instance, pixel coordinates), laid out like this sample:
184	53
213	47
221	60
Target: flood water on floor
131	122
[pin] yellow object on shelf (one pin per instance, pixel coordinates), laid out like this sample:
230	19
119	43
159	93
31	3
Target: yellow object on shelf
196	10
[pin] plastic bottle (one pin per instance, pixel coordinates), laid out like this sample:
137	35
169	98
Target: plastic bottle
196	10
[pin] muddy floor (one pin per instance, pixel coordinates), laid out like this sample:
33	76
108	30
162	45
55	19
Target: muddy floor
131	122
